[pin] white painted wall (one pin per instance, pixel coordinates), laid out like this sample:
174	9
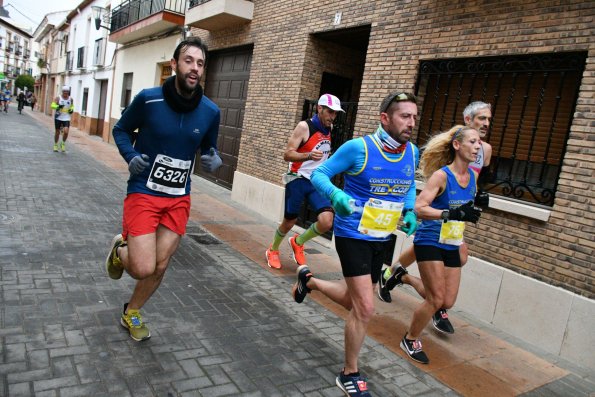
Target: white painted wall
143	61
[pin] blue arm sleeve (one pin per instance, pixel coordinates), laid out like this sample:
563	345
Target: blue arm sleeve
210	140
349	157
412	193
124	129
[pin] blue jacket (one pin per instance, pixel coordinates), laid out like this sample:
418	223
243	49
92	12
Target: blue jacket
163	131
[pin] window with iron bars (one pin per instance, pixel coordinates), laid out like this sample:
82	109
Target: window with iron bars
533	98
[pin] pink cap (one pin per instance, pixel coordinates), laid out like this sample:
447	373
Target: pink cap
331	101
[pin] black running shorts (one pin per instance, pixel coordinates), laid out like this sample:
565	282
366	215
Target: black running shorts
360	257
61	123
426	253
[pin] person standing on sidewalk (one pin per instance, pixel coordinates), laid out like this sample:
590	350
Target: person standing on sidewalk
6	100
477	115
308	147
64	107
173	122
32	101
379	187
444	205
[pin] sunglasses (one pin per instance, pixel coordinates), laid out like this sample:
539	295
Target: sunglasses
398	97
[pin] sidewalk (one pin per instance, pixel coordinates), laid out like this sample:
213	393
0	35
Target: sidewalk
223	323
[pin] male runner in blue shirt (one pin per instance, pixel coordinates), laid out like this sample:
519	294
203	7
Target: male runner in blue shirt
173	122
379	187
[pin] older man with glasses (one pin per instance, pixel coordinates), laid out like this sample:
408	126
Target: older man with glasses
379	188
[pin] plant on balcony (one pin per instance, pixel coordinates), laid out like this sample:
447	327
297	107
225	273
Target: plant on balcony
41	63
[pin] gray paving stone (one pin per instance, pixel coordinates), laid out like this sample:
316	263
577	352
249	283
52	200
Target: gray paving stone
54	383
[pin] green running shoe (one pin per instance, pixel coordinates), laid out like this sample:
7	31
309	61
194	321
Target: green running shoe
133	322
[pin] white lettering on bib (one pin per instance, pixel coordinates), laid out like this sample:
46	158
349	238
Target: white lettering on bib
451	232
380	218
169	175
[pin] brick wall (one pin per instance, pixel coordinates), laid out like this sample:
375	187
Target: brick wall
287	64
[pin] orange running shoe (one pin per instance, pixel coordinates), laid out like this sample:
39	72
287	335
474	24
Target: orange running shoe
297	251
273	259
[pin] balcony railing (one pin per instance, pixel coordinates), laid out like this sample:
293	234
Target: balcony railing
132	11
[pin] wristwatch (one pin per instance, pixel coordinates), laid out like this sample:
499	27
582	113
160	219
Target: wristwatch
445	214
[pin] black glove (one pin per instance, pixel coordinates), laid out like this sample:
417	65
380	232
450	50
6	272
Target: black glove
482	199
466	212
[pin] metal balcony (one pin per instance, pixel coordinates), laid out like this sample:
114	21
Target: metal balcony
136	19
218	14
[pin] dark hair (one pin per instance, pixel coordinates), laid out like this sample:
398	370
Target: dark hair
396	97
191	42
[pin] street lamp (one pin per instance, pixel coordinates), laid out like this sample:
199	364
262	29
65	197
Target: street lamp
98	16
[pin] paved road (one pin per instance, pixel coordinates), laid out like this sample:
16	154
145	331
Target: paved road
220	326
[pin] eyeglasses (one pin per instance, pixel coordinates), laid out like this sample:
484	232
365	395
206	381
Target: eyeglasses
398	97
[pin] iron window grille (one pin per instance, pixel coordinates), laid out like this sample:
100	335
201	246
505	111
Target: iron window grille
533	99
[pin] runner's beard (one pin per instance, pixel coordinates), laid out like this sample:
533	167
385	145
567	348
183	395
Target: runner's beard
186	89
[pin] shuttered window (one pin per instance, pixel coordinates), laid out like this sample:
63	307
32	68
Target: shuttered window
533	100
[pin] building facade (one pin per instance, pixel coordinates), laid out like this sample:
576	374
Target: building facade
86	64
50	42
16	54
146	33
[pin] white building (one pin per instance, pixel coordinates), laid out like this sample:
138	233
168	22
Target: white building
147	34
86	62
16	53
46	35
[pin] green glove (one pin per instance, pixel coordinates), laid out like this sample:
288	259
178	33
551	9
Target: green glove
340	201
409	223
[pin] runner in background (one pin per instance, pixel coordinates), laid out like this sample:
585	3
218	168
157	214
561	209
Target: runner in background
308	147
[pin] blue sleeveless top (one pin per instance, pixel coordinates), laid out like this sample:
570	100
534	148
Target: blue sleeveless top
380	177
453	196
